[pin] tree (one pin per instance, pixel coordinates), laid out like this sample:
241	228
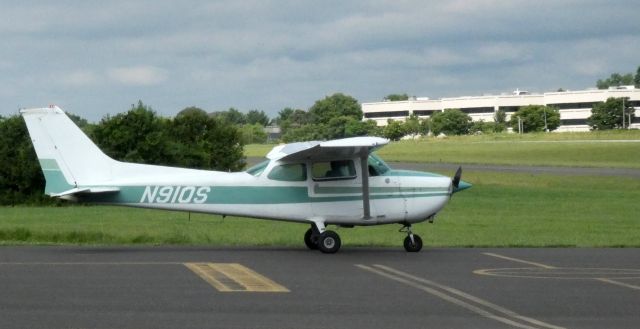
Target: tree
334	106
636	79
450	122
138	135
336	127
259	117
79	121
608	115
290	118
486	127
500	121
533	118
412	125
616	79
253	134
500	116
21	179
283	115
231	116
201	141
303	133
394	130
425	126
371	128
396	97
188	132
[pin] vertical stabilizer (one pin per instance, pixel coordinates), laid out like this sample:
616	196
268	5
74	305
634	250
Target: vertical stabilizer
67	156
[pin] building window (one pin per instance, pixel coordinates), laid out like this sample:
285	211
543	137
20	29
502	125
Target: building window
573	106
387	114
573	122
509	108
425	112
470	110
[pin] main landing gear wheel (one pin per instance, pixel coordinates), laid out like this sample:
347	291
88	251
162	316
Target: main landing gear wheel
311	239
412	246
329	242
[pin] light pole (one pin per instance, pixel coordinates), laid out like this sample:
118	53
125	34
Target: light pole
622	112
545	119
520	125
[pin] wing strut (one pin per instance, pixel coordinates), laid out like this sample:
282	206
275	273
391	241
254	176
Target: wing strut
364	168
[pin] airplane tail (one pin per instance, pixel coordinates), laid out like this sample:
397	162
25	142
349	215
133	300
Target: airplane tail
68	157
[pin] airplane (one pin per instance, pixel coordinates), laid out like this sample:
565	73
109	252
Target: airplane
337	182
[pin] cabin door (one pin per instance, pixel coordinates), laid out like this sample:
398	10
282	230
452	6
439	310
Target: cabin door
335	188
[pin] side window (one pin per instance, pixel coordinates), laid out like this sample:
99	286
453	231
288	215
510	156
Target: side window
258	169
295	172
333	170
376	166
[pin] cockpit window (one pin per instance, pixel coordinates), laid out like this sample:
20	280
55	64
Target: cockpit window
377	166
330	170
257	169
294	172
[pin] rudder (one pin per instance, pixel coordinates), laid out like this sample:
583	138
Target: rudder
68	157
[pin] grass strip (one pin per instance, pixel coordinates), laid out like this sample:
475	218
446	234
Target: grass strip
501	210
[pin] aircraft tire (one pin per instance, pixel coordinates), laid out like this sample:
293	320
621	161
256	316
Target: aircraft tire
310	240
329	242
413	247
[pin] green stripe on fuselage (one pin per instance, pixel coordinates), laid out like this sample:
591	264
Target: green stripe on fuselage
374	190
231	195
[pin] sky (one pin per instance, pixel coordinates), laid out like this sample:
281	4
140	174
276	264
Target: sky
97	58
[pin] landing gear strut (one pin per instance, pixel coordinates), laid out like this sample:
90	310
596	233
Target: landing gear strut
413	242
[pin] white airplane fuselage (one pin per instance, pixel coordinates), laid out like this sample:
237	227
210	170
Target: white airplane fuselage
395	196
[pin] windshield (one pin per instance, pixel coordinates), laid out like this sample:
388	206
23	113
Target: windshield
377	164
257	169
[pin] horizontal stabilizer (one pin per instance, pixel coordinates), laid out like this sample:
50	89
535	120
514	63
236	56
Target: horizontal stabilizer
86	190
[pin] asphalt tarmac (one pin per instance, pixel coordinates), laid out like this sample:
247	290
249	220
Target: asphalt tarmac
163	287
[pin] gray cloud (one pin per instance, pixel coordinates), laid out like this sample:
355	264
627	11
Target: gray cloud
94	58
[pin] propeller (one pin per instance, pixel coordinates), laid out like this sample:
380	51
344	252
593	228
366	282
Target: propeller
456	178
459	185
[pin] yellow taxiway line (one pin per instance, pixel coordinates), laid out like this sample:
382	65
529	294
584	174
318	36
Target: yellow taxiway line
234	277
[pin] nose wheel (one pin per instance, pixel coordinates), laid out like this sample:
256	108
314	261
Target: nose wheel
413	242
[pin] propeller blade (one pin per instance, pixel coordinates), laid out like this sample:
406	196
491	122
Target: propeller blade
456	177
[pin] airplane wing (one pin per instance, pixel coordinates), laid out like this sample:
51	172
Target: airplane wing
316	150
